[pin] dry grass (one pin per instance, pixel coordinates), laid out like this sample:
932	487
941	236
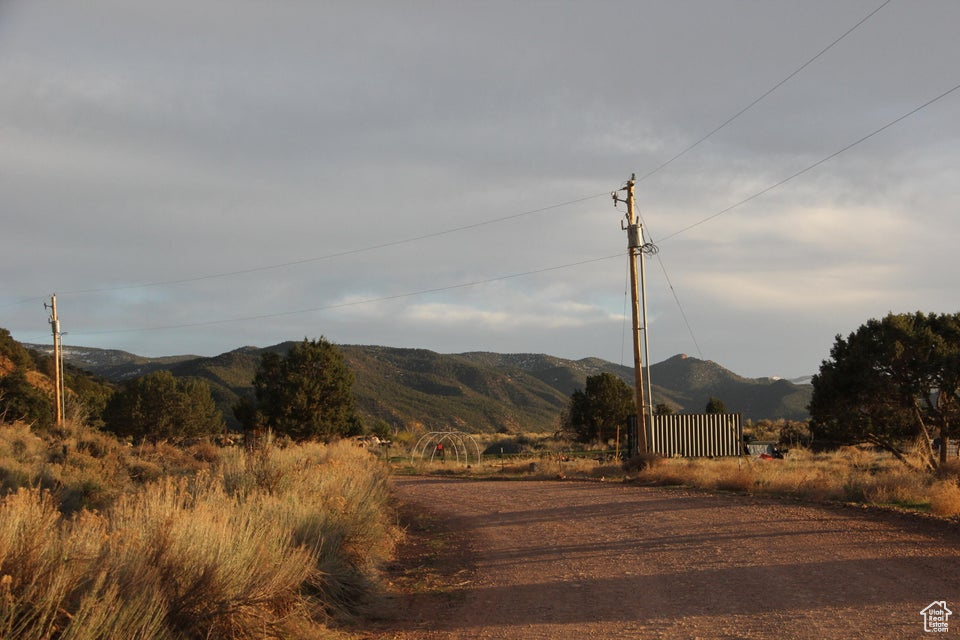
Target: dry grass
945	498
266	545
851	474
87	469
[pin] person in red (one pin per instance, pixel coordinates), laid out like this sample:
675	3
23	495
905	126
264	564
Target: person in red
439	452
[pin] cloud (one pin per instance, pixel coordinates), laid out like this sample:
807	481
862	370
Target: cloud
552	316
799	292
268	159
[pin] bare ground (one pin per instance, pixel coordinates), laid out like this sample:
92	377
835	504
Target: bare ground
518	560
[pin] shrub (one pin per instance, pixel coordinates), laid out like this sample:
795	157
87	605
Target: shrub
159	406
32	585
510	447
945	498
641	461
221	568
210	555
144	471
949	470
20	400
205	452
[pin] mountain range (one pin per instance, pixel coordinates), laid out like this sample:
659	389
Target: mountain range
478	391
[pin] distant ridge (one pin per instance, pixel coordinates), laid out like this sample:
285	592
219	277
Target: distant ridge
475	391
112	364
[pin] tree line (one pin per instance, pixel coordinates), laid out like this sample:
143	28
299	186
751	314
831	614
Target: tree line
306	394
893	383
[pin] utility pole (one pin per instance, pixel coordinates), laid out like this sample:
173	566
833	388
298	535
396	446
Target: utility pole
635	249
57	357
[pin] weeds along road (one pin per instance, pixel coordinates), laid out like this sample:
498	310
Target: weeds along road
517	560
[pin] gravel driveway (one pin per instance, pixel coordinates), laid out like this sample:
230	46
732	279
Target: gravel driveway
556	560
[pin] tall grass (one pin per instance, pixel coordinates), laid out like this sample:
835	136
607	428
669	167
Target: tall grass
255	546
85	468
51	581
851	474
339	514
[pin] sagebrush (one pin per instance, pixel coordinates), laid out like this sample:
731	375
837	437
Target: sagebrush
255	545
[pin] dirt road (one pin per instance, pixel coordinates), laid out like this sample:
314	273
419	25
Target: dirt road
518	560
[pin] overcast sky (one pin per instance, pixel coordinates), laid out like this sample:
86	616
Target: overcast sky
196	176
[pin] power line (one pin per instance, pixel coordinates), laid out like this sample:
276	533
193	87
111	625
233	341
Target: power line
492	221
673	291
517	215
723	124
338	254
762	96
683	314
814	165
774	186
485	222
354	303
22	301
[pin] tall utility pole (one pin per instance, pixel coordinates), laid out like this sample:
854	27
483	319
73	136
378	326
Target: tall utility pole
57	357
635	248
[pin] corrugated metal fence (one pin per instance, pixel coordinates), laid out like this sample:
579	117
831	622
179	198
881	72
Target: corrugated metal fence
696	435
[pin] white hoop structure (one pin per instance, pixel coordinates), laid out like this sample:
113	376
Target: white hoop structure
458	441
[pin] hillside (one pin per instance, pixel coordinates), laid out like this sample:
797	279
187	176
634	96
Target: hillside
28	389
112	364
476	391
689	383
38	380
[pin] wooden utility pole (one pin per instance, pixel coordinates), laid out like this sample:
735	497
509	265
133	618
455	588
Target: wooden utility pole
57	358
634	246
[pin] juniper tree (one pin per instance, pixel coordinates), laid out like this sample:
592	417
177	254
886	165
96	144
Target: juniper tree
890	383
305	394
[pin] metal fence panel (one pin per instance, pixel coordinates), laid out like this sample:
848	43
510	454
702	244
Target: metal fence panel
695	435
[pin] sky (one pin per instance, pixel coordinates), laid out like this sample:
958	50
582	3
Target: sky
190	177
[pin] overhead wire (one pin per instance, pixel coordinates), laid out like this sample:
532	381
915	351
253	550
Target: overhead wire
485	222
352	303
739	113
517	215
719	127
784	181
17	303
338	254
683	313
816	164
473	225
546	269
